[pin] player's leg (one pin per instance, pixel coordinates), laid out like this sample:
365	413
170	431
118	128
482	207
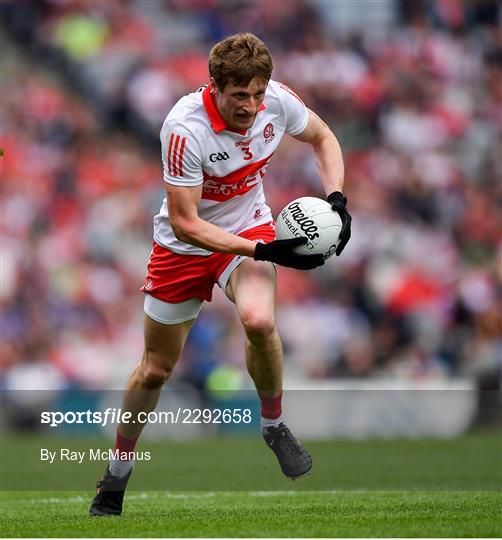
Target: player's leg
163	347
252	287
164	343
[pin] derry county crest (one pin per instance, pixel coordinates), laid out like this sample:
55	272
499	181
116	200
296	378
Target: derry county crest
268	133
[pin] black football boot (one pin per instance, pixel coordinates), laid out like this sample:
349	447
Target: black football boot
295	461
109	495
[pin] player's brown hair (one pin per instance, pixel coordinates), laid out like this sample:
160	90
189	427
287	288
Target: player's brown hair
239	59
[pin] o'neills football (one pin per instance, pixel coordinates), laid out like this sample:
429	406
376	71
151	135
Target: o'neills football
313	218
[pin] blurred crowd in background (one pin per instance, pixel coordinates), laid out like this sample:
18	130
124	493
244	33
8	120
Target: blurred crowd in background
413	91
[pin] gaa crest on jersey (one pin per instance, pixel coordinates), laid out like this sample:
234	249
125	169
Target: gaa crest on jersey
268	132
218	156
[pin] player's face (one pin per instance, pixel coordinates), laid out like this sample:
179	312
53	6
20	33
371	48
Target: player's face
238	105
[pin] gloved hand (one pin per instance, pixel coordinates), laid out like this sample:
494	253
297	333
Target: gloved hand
338	204
281	252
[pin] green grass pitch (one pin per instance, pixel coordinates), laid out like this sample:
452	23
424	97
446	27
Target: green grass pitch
233	487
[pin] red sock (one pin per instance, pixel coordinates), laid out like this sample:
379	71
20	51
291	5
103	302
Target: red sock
271	408
124	444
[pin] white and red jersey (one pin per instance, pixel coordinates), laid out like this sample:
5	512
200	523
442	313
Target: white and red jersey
199	148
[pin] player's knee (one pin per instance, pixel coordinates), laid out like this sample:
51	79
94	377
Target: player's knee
154	374
258	325
155	377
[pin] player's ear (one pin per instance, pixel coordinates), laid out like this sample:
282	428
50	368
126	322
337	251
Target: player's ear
213	87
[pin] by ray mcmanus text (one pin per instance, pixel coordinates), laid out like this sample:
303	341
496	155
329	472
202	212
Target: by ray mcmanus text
91	454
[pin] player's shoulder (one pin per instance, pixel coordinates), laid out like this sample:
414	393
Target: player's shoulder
281	92
187	116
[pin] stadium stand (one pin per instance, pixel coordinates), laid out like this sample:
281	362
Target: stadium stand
416	101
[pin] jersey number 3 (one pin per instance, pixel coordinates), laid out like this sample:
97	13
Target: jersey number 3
247	154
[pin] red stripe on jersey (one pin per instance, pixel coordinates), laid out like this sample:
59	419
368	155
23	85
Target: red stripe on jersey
169	164
239	174
175	155
223	188
180	160
289	91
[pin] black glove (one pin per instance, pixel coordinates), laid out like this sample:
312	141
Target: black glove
338	204
281	252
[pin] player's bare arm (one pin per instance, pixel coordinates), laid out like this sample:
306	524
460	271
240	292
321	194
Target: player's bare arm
329	162
190	228
328	153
